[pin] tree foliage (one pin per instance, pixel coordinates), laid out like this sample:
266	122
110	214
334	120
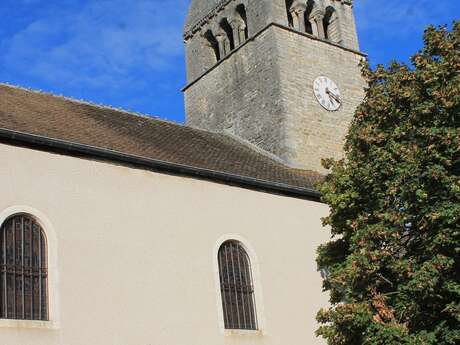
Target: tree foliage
393	261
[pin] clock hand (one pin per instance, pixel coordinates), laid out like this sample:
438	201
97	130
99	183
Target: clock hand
331	95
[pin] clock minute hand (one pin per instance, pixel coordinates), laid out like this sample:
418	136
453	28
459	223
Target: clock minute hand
337	99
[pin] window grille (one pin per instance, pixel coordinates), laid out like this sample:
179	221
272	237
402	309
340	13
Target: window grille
236	287
23	270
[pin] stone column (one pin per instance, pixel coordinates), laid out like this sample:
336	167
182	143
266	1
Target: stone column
301	15
227	46
295	20
320	25
297	11
239	28
242	33
316	19
221	38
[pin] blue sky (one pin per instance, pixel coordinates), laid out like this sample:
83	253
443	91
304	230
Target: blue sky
129	53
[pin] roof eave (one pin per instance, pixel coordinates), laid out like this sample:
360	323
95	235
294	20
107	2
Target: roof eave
77	149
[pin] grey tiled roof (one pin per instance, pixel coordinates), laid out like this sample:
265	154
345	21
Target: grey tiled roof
141	136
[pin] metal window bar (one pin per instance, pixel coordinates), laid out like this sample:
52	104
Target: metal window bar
236	287
23	270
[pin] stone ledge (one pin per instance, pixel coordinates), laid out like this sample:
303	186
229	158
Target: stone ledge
28	324
243	333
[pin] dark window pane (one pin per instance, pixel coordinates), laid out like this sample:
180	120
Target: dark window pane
9	244
35	246
27	242
28	297
10	295
43	254
36	298
19	311
44	300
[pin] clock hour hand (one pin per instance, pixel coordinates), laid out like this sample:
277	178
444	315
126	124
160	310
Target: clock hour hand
333	96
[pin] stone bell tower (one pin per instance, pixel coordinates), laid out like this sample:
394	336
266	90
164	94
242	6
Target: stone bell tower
281	74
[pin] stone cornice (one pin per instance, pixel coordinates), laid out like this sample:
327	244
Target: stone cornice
191	29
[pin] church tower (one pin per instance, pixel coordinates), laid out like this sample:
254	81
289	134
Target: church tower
281	74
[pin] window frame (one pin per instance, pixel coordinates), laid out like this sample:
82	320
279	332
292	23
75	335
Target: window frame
258	295
24	261
51	252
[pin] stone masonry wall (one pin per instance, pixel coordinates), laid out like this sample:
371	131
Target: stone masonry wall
242	95
312	132
263	93
199	55
260	13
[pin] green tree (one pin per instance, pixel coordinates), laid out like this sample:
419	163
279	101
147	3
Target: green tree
393	260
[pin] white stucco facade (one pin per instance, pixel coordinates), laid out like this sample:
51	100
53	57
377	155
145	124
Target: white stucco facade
132	254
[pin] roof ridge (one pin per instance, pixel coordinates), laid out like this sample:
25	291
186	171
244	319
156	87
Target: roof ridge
90	103
108	107
149	117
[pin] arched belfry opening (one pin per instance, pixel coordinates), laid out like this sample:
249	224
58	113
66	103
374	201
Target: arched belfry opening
300	13
289	14
223	32
296	13
228	43
309	16
331	25
314	16
212	43
308	12
243	27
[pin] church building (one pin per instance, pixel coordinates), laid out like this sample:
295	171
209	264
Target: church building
122	229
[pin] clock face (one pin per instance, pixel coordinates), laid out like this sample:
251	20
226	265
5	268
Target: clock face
327	93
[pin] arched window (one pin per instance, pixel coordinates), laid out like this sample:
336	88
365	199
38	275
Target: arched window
289	15
23	269
299	12
213	44
228	42
241	10
308	20
236	287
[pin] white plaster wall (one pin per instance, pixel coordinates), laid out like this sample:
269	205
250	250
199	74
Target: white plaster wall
135	253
